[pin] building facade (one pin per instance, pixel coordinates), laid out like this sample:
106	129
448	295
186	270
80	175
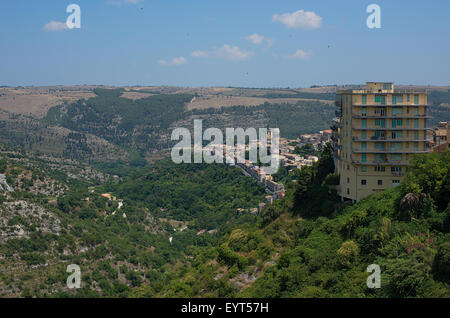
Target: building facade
441	137
376	132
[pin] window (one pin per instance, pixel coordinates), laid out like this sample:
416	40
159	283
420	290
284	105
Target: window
380	157
364	134
364	99
348	180
380	169
398	99
396	170
379	133
416	99
396	157
397	123
380	99
364	123
380	123
408	97
363	146
416	111
364	157
395	183
416	135
416	146
348	191
363	169
364	111
396	134
416	123
379	146
387	86
363	182
395	146
397	111
380	182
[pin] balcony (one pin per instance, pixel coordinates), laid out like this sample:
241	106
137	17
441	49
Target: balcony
387	151
386	139
391	105
390	128
379	163
399	116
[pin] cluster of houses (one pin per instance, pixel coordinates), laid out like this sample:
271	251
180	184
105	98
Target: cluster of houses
441	137
287	159
318	140
287	148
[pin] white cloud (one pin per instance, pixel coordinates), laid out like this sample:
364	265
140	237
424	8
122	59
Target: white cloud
255	38
301	55
55	26
200	54
227	52
232	53
299	19
173	62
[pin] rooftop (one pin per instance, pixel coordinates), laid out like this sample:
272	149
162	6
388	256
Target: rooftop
382	88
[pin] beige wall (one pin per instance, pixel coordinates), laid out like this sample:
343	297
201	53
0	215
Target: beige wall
352	174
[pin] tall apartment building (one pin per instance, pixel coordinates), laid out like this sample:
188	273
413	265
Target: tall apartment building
377	131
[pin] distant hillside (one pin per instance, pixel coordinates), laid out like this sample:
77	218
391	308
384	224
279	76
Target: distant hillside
136	122
145	124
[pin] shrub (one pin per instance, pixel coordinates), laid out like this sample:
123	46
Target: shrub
347	253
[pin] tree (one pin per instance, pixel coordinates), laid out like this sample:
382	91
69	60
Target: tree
429	174
441	264
348	252
412	203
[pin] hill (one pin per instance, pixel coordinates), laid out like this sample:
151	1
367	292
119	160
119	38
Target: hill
293	251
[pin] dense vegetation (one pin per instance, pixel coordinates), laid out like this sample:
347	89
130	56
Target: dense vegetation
178	235
292	119
178	232
122	121
292	252
117	248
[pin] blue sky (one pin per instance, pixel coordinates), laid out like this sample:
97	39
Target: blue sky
208	43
